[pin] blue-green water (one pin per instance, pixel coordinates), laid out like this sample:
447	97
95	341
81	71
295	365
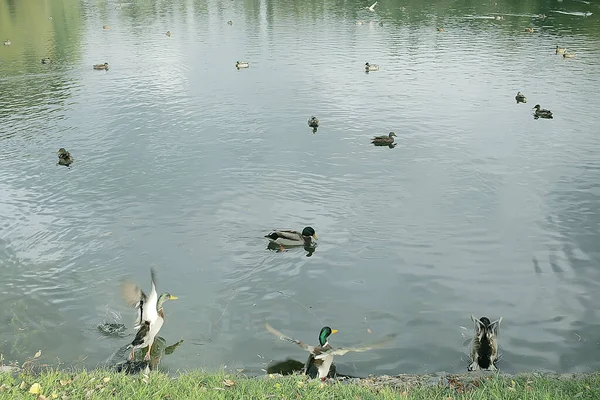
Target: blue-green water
184	163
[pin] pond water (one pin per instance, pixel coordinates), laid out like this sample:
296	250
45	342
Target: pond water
183	163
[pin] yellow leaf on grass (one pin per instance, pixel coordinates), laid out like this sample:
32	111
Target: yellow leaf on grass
300	383
54	395
106	380
228	383
23	385
513	383
35	388
38	354
64	383
42	397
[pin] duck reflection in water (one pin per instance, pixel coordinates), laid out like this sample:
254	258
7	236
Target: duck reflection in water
309	248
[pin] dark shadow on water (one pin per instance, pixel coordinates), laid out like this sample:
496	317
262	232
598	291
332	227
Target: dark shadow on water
390	145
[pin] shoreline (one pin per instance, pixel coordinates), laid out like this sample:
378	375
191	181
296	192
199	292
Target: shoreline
68	384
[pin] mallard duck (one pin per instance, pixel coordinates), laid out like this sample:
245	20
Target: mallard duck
292	238
7	42
520	97
484	346
384	140
168	33
101	66
321	356
530	30
151	315
560	50
46	60
230	22
64	157
568	55
498	17
542	16
440	29
242	64
105	27
371	67
542	113
313	122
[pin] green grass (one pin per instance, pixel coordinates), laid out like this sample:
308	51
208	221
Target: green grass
197	385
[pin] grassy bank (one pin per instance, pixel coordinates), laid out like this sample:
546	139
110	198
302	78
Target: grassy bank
197	385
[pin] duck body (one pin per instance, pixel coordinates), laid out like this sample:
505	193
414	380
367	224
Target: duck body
101	66
242	64
46	60
106	27
484	345
560	50
168	33
64	157
292	238
371	67
498	17
313	122
384	140
7	42
151	316
230	22
568	55
542	113
530	30
439	29
520	97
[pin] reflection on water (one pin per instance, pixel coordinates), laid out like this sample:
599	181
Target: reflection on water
183	162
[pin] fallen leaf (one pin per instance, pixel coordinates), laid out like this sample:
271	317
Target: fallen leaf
529	388
42	397
228	383
145	380
106	380
449	398
54	395
512	389
300	383
587	387
513	383
64	383
35	388
322	385
89	393
38	354
404	394
240	370
23	385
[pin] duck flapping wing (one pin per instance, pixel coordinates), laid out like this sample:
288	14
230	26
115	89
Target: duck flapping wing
343	350
281	336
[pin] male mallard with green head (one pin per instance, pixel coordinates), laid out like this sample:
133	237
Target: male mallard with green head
64	157
151	315
101	66
542	113
383	140
484	345
292	238
371	67
321	356
242	64
313	122
520	97
560	50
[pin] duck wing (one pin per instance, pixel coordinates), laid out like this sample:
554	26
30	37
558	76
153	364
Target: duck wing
281	336
343	350
284	234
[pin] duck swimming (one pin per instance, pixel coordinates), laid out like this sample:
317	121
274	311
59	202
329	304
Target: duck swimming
371	67
292	238
520	97
168	33
568	55
530	30
484	346
242	64
151	315
542	113
313	122
64	157
106	27
101	66
46	60
7	42
384	140
560	50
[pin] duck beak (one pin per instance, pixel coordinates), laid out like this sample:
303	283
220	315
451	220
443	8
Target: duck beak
315	236
173	297
334	331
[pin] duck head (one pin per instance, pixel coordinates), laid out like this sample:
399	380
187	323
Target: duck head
324	335
392	134
163	298
309	232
